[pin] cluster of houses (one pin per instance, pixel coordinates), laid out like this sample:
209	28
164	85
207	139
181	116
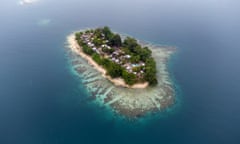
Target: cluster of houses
118	56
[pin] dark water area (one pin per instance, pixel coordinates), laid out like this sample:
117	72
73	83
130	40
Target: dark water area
43	102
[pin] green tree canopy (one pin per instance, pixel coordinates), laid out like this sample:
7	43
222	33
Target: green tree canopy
87	50
107	32
115	40
130	43
150	72
129	78
114	70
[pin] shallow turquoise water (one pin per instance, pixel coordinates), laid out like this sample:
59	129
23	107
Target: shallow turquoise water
42	101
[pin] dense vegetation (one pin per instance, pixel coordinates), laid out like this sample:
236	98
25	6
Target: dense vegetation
114	70
130	47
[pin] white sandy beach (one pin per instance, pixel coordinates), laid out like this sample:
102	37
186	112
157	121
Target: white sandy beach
74	46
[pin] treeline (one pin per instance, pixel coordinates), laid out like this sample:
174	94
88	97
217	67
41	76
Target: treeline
86	49
137	53
114	70
150	74
113	40
135	50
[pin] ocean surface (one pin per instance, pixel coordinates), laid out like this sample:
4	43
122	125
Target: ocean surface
42	101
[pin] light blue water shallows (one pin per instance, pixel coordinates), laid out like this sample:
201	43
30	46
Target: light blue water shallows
43	102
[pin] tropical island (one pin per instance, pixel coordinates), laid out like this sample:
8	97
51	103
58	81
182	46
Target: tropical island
122	59
120	72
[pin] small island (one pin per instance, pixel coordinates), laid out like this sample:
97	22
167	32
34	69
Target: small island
121	72
126	62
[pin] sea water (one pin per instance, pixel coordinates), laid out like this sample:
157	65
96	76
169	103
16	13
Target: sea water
43	102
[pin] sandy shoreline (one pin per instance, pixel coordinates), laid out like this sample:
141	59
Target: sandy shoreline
74	46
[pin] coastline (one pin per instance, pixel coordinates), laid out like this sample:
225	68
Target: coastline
74	46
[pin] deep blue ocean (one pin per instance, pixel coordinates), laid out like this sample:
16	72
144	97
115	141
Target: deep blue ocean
43	102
